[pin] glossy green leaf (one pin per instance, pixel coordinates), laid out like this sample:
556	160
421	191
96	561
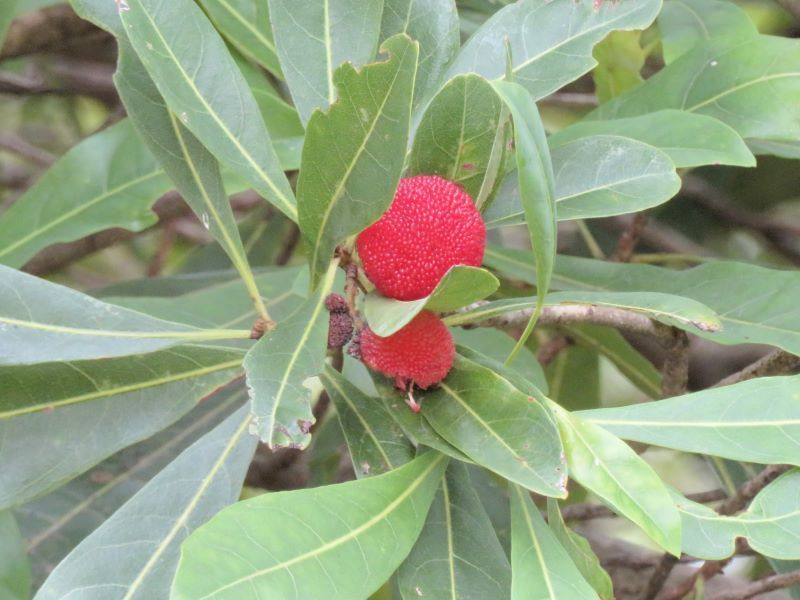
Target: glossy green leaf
685	23
536	188
15	572
279	365
376	443
340	193
108	180
753	85
551	42
461	285
596	176
611	344
756	421
497	426
623	481
457	555
193	169
463	137
167	37
54	524
689	139
338	541
580	552
108	404
315	37
41	321
434	24
541	567
120	561
771	524
764	311
573	378
245	24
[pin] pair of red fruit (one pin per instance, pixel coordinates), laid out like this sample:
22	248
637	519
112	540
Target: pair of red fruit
431	226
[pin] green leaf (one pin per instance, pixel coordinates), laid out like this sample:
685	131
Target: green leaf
685	23
41	321
457	555
112	181
341	192
376	443
551	42
596	176
339	541
539	563
314	37
573	378
15	572
54	524
620	59
771	524
245	24
689	139
764	311
497	426
623	481
753	85
610	343
732	421
167	36
463	137
279	365
107	404
580	552
191	167
536	189
6	16
140	561
460	286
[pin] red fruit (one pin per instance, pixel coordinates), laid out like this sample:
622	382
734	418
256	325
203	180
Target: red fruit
420	354
431	226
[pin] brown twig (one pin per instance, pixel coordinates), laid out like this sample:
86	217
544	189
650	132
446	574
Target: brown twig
49	29
660	237
630	238
28	151
675	370
761	586
550	349
588	511
792	7
351	287
777	362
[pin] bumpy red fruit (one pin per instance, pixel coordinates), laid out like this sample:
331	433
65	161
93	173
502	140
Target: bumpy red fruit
431	226
421	353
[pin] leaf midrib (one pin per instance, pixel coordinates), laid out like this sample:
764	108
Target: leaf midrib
536	546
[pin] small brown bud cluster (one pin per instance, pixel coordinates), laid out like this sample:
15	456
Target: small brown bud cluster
340	325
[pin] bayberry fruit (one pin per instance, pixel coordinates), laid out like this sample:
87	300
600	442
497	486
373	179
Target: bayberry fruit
420	354
431	226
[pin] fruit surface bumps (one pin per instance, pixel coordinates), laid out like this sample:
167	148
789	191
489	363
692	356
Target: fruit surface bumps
431	226
421	353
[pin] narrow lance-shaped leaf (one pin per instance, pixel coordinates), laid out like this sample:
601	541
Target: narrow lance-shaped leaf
107	404
497	426
463	137
314	37
41	321
580	552
537	189
337	541
108	180
280	364
768	316
551	42
192	168
461	285
457	555
608	467
120	561
245	23
166	36
734	421
376	443
538	561
353	154
15	572
771	524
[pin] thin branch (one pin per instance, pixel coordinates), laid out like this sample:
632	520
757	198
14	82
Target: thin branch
552	348
28	151
792	7
778	362
761	586
588	511
630	238
47	30
675	371
660	237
